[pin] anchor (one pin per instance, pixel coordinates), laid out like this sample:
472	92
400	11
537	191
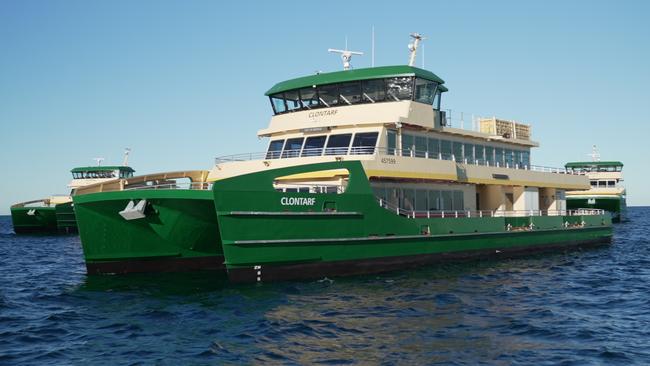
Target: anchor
134	211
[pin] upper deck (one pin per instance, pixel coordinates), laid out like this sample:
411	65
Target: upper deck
82	176
402	96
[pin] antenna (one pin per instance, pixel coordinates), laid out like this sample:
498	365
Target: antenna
346	56
413	47
423	55
99	161
595	155
373	47
127	151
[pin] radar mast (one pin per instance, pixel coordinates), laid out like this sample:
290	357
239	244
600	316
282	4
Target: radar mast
346	56
413	47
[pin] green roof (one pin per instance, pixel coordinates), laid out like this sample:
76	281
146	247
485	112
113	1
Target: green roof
580	164
102	168
353	75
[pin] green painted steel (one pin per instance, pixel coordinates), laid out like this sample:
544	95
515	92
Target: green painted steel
102	168
615	205
42	221
354	75
178	224
66	222
258	227
583	164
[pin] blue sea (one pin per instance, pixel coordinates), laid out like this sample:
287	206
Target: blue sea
589	307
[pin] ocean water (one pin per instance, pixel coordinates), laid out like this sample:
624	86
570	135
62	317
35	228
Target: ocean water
588	307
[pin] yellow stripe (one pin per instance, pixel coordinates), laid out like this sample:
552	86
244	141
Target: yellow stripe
454	178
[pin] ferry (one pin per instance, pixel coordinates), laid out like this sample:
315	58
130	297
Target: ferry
55	214
363	173
607	191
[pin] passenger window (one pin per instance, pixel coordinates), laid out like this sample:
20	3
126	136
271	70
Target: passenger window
292	148
275	147
364	143
314	146
338	144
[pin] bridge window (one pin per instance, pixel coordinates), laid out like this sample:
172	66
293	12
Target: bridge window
338	144
314	146
374	91
292	148
277	101
364	143
329	95
275	147
436	100
293	100
400	88
126	174
350	93
309	98
425	91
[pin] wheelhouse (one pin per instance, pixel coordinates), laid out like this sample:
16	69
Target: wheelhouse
102	172
363	86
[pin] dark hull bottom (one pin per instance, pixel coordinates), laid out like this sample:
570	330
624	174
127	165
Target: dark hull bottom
377	265
45	230
156	265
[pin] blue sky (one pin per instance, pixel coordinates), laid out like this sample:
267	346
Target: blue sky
181	82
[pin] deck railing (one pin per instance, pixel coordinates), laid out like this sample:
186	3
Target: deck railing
412	214
354	151
175	185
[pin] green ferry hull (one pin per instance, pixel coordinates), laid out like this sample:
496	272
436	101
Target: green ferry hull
43	220
178	233
57	219
264	240
615	205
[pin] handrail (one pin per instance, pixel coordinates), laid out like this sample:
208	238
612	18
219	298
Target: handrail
175	185
336	151
198	177
45	201
486	213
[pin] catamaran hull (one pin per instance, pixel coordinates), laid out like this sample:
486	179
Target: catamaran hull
269	235
178	232
30	220
57	219
495	248
615	205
